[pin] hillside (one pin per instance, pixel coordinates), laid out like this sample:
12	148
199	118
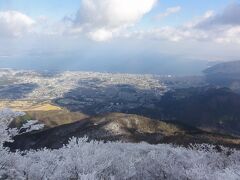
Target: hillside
45	112
120	127
225	75
50	118
225	68
212	109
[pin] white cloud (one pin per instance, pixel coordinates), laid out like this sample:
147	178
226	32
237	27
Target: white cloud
101	35
169	11
230	16
231	35
220	27
14	24
101	19
173	34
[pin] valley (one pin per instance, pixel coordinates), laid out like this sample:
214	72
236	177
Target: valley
113	107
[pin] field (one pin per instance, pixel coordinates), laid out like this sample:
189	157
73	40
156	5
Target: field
45	112
29	106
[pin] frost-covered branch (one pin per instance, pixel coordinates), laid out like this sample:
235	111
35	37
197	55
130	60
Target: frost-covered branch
6	116
32	125
81	159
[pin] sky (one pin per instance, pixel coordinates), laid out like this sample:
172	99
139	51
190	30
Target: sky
148	36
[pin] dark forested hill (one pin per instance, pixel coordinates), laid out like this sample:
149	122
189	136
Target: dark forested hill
214	109
225	75
225	68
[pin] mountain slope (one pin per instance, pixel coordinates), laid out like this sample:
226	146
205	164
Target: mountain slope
225	68
225	75
120	127
215	109
50	119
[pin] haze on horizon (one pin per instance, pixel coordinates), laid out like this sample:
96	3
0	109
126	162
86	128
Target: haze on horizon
137	36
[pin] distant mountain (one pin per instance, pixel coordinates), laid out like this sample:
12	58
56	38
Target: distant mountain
120	127
225	75
225	68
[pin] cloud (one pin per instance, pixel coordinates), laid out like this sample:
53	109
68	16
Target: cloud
222	27
101	35
229	17
14	24
101	19
169	11
173	34
230	35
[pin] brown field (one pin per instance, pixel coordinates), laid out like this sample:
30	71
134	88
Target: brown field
49	118
29	106
45	112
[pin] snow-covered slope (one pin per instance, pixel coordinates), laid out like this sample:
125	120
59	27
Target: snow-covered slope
81	159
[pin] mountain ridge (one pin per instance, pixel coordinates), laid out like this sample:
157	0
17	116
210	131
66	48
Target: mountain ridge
120	127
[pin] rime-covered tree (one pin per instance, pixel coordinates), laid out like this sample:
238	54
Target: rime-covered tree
80	159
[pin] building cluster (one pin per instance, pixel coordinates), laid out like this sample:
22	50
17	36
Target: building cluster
52	86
